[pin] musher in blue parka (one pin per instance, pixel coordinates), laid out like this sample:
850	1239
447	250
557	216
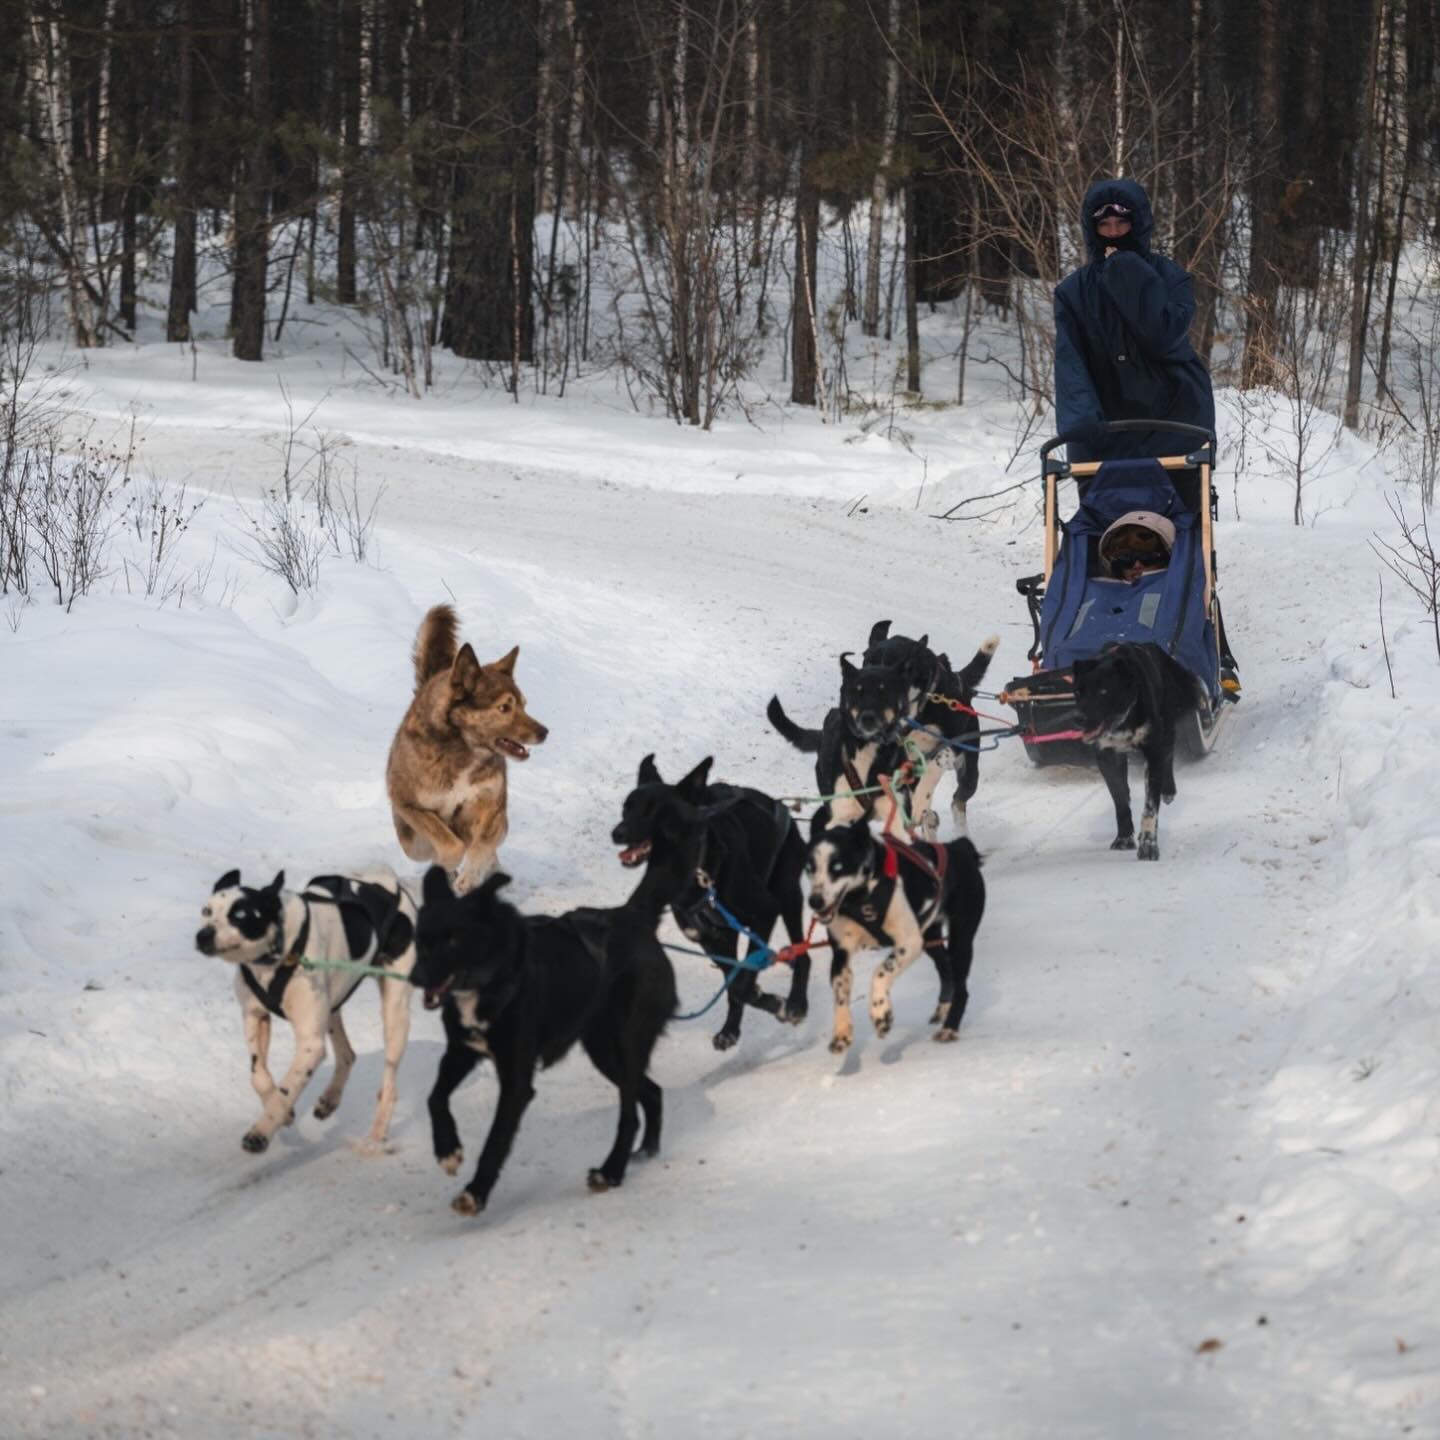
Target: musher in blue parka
1122	335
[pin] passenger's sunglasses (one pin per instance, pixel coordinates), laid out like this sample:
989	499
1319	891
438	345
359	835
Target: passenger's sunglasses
1154	559
1128	546
1113	211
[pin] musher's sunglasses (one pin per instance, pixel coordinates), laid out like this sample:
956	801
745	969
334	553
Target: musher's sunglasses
1113	211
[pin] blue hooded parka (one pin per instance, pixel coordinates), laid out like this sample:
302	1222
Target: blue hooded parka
1122	339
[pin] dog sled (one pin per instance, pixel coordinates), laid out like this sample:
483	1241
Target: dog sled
1077	608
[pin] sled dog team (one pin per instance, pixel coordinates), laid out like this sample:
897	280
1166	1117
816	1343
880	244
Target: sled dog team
728	862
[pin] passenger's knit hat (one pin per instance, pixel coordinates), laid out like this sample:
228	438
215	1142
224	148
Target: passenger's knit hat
1147	519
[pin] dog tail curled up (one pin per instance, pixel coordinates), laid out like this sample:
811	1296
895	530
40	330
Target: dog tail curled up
435	643
806	741
974	671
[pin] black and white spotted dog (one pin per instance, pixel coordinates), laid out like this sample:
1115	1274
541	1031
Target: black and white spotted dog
265	933
873	894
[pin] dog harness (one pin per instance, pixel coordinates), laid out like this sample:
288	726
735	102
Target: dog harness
935	871
270	995
735	796
365	908
868	908
860	791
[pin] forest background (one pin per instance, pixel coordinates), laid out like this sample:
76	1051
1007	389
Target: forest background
548	187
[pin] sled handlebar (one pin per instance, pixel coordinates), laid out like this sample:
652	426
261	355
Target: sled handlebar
1202	456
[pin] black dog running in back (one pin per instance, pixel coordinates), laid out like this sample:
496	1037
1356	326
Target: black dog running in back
747	846
1132	697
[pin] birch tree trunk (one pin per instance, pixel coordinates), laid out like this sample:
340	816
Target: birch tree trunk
1410	119
182	264
890	122
1119	87
49	79
351	36
912	298
804	325
680	110
1355	365
750	178
575	122
1257	366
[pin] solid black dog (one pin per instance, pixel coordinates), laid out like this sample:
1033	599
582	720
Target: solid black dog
946	736
857	740
901	684
522	989
1132	697
747	847
872	894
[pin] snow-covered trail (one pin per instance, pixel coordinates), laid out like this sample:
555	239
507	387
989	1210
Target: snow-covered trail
1031	1233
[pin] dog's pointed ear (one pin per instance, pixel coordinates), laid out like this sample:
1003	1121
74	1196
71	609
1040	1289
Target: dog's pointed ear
494	884
649	772
924	641
464	669
846	667
436	887
277	884
696	781
879	631
227	881
506	663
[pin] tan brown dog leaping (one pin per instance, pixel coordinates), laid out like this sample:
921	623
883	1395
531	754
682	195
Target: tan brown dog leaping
446	772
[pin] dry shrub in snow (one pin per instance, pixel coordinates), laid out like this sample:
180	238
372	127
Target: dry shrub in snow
57	518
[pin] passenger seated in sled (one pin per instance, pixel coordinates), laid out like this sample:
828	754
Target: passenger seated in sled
1137	544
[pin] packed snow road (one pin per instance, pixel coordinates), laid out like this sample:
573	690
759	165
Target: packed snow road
1044	1230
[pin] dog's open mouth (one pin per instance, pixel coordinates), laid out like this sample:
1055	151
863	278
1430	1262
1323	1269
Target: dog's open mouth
513	748
635	855
825	913
435	997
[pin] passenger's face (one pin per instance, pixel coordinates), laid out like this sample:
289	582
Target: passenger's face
1112	227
